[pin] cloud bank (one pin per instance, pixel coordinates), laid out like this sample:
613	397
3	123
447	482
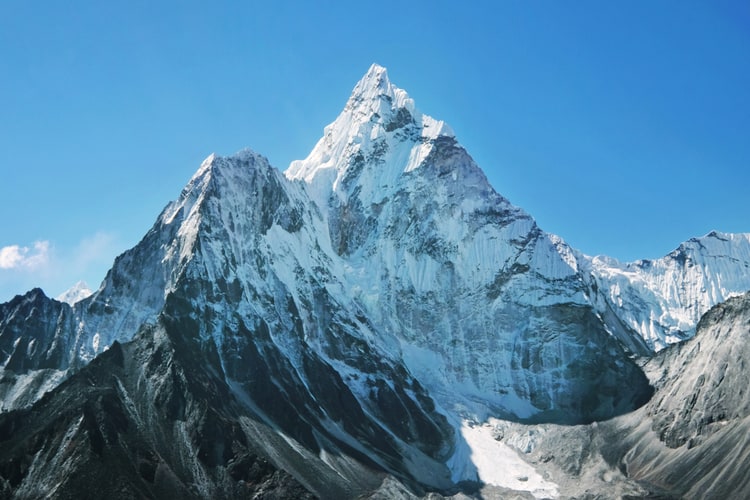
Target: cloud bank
18	257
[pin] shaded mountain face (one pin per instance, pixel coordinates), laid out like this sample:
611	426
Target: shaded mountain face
143	420
267	320
703	383
691	439
337	322
35	345
34	333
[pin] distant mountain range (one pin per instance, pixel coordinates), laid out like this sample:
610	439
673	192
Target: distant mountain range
377	322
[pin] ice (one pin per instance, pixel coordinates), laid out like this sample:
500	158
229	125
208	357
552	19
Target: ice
499	464
76	293
663	299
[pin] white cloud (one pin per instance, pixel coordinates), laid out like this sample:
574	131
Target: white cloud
54	268
18	257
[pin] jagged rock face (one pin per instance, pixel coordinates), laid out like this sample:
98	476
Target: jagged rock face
482	300
689	441
141	421
239	278
37	332
134	290
36	337
283	328
42	339
33	333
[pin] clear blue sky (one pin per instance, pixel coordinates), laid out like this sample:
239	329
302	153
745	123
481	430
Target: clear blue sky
624	127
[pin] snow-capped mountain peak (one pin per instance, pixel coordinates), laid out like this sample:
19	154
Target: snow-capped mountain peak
422	235
363	314
379	125
77	292
376	86
663	299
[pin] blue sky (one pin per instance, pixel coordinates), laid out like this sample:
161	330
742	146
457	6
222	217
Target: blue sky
624	127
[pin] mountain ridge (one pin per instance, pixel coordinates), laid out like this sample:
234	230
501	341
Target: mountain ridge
365	304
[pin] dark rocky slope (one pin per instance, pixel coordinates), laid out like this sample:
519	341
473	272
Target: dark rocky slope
147	419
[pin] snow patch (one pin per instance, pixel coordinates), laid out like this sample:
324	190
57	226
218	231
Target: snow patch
23	389
76	293
498	464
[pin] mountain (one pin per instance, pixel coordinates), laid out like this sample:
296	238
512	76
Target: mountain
34	345
77	292
225	263
485	306
342	329
701	411
662	300
95	436
689	441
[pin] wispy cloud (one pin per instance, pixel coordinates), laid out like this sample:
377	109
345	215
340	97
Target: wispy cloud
99	248
29	258
53	267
